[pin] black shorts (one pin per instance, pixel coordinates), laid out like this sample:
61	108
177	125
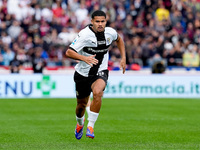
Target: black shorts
83	84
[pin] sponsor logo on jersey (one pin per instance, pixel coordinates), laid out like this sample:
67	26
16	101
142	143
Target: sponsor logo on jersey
97	51
101	42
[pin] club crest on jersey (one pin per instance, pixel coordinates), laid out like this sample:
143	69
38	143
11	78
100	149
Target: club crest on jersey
108	41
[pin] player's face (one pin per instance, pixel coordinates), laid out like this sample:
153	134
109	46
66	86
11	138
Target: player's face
99	23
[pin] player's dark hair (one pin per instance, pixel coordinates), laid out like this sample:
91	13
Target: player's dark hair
98	13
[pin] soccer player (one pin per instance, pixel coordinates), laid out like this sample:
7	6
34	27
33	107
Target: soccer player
90	47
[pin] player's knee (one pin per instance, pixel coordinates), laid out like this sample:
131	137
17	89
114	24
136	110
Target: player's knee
82	102
82	105
97	93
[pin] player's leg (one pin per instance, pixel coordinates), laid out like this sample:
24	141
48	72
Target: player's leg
88	106
83	91
97	88
80	117
80	107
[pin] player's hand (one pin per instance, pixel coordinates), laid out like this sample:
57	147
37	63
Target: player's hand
123	65
91	60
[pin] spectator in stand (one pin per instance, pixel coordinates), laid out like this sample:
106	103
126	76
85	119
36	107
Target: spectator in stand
162	13
3	6
6	38
190	31
178	55
81	13
14	29
74	5
44	28
38	62
46	13
176	16
64	36
197	37
29	43
15	65
57	9
21	55
8	55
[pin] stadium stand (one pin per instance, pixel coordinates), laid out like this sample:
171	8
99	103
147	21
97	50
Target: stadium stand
168	30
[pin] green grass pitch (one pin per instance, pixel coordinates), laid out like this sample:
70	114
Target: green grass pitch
123	124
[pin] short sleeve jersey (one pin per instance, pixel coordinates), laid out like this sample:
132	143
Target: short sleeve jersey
89	43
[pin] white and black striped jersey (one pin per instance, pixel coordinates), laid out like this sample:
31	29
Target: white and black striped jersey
89	43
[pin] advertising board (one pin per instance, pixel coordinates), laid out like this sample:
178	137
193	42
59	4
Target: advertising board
118	86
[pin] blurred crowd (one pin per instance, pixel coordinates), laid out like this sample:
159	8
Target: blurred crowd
36	33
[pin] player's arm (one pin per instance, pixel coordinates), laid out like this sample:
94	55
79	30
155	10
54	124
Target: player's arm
121	46
88	59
